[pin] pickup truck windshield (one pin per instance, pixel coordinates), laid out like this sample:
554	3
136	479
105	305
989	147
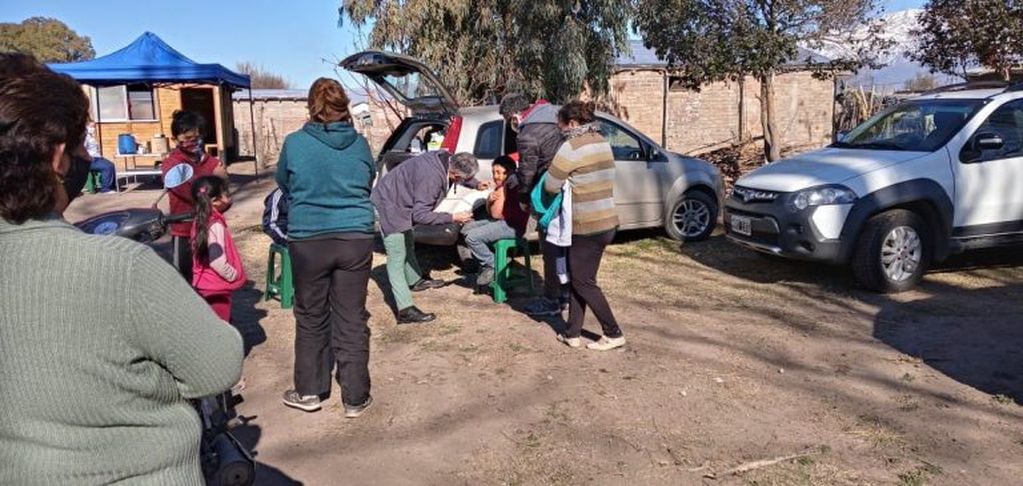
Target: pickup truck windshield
917	126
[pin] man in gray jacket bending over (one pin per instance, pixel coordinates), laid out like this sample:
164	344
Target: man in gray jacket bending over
406	196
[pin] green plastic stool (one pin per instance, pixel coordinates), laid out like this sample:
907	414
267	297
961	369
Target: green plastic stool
279	284
504	280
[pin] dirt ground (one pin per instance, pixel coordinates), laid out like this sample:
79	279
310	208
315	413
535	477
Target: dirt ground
732	359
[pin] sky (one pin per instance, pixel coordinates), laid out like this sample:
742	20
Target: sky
288	37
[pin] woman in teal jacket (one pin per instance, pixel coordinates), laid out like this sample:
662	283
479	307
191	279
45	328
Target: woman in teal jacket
327	170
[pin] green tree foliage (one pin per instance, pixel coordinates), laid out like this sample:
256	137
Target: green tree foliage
956	35
715	40
484	48
49	40
261	78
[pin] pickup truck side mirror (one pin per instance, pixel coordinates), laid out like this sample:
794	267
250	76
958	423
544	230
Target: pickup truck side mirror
987	141
973	151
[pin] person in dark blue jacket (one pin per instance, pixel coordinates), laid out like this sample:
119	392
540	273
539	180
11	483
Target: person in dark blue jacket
275	216
327	171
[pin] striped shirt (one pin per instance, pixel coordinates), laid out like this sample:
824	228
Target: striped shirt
587	163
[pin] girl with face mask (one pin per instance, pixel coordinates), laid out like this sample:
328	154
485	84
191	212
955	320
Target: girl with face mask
187	128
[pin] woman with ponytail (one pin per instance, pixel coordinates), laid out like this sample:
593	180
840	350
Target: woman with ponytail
216	266
586	162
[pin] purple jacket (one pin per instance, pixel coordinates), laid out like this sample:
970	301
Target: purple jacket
407	195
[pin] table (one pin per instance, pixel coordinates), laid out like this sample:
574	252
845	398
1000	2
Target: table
135	171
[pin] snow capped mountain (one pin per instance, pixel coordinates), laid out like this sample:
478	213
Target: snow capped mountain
896	27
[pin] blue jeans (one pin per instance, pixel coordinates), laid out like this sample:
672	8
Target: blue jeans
107	173
480	234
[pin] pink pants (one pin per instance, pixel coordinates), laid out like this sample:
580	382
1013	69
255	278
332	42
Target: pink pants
221	305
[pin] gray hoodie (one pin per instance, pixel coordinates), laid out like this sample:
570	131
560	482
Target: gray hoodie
407	195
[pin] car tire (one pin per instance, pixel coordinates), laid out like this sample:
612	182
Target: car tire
700	221
892	252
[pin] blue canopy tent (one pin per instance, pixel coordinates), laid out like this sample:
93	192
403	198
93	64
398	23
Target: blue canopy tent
149	60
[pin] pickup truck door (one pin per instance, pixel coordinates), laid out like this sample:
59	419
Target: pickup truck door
989	175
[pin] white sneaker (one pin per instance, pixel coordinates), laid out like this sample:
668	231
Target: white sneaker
606	344
570	342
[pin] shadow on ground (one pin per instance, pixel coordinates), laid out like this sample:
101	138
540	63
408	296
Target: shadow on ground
248	434
981	351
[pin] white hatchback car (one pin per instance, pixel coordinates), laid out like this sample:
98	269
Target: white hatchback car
934	175
653	187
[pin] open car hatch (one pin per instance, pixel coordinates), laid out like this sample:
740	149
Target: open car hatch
404	78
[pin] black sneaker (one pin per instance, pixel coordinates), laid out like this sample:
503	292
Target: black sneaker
543	307
354	411
412	315
427	283
308	403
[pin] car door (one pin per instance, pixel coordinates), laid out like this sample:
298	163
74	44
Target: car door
637	189
989	175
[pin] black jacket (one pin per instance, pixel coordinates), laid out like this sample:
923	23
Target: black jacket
275	216
538	140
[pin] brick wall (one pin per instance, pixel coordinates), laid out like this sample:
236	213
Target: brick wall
168	100
705	120
275	119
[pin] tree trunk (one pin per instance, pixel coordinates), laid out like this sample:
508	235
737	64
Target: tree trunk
772	149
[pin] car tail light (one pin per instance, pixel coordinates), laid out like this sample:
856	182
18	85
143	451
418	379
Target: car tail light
451	137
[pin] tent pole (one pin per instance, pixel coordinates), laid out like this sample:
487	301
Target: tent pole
255	146
99	123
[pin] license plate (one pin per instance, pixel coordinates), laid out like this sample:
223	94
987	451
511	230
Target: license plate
742	225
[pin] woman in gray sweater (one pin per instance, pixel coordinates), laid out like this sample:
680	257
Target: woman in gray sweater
101	341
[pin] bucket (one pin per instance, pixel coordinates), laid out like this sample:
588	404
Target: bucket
160	145
126	144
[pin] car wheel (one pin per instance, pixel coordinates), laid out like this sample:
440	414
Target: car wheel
692	218
892	252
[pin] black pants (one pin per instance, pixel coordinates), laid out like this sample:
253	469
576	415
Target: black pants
583	262
552	287
182	256
330	278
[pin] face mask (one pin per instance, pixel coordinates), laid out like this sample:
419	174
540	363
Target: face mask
513	123
76	176
193	147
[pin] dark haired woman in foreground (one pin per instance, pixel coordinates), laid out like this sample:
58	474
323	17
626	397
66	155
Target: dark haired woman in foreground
101	342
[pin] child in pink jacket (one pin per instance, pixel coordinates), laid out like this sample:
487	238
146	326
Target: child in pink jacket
216	266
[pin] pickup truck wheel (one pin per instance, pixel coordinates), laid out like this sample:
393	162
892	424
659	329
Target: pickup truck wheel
692	217
892	253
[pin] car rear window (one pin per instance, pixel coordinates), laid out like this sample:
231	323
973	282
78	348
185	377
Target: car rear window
488	140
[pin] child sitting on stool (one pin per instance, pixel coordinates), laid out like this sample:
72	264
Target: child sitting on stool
275	216
506	220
